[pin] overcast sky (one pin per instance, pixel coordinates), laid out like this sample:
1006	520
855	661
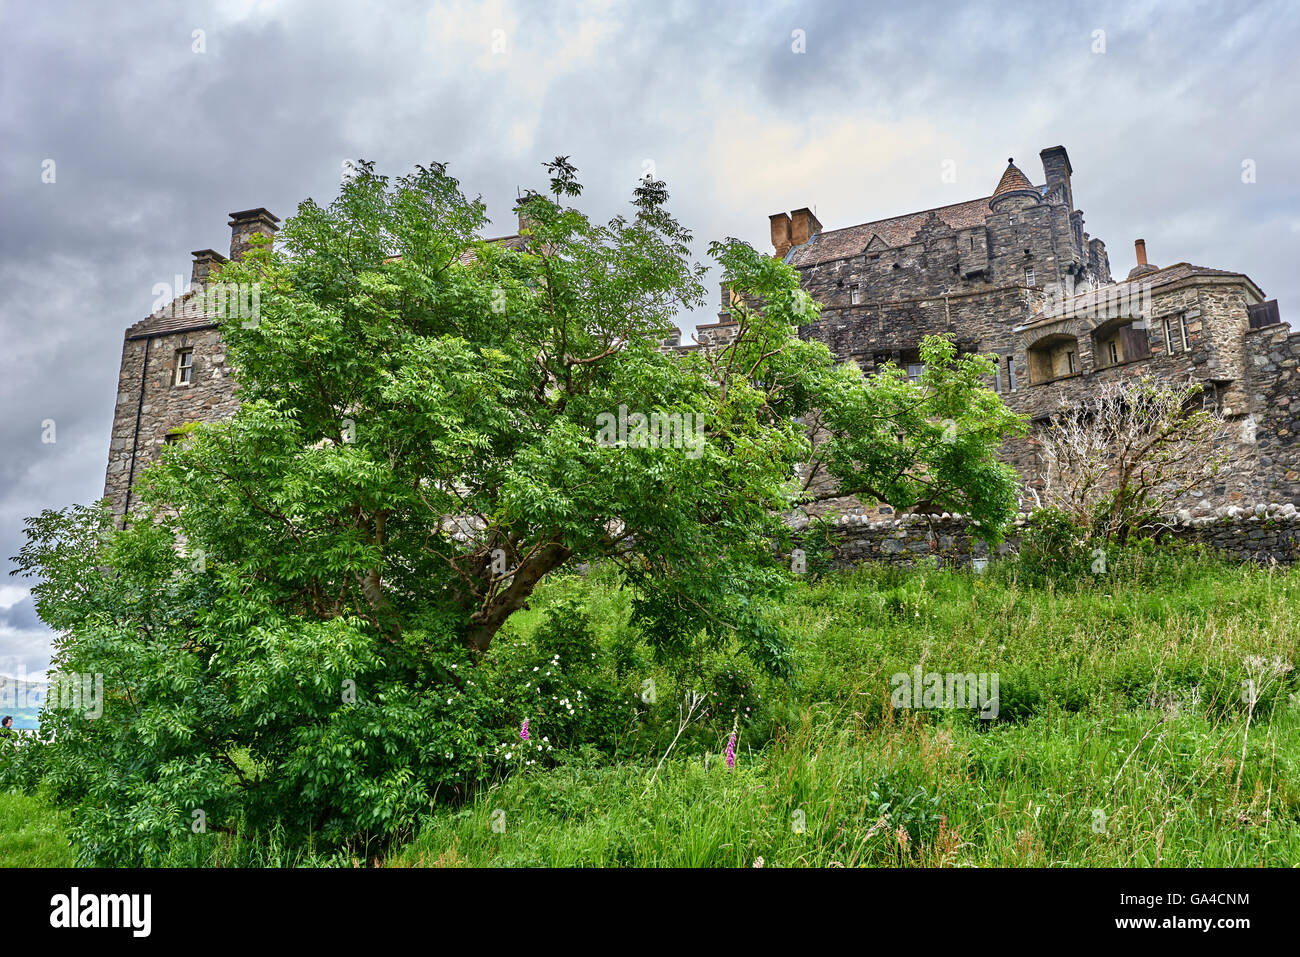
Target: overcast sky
156	132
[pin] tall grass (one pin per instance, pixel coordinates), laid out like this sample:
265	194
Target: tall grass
32	833
1119	741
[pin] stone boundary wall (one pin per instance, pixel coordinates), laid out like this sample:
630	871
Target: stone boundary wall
1265	533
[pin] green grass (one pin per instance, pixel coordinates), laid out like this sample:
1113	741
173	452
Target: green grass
31	833
1119	742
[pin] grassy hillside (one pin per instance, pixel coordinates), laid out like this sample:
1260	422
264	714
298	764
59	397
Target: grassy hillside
1119	741
1125	735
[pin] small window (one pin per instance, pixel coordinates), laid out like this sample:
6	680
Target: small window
1011	373
1029	277
915	370
1187	343
173	437
1011	219
997	375
1169	338
1073	364
1114	351
184	366
855	294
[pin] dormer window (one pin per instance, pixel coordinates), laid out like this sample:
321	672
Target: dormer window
184	366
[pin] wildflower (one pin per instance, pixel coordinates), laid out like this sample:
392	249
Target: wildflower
758	862
523	732
731	751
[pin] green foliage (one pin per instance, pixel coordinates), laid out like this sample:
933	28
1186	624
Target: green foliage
562	681
930	446
1053	549
23	762
291	628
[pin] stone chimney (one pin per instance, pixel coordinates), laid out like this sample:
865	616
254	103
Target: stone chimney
1057	169
1143	267
247	223
803	226
780	223
205	261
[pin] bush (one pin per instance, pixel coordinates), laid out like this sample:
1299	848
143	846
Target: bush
562	682
22	762
1053	549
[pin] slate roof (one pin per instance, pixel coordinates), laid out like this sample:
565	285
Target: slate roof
182	314
895	231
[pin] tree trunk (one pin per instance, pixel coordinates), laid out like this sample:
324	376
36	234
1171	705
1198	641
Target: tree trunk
486	622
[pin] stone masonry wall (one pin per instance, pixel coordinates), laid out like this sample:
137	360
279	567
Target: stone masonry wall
1273	364
1264	533
163	406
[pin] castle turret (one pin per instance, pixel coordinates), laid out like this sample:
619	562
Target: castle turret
1014	190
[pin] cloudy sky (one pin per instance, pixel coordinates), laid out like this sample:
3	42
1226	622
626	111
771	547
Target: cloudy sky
156	118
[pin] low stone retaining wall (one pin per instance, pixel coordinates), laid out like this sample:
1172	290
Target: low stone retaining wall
1264	533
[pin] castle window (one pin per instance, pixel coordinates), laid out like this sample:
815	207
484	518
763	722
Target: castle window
1187	343
1011	373
855	293
184	366
1120	340
1052	357
915	370
997	375
1011	219
1169	338
1029	276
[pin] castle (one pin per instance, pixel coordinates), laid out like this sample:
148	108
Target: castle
1012	275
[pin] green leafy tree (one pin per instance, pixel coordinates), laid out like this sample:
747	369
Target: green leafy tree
430	425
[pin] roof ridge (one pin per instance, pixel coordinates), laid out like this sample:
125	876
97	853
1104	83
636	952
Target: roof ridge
886	219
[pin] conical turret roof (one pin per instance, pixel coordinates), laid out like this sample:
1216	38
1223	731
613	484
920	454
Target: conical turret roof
1013	181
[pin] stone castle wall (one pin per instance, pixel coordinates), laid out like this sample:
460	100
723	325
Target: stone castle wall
159	404
1263	533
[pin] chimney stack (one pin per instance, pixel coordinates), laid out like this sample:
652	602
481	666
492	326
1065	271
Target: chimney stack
247	223
803	226
1057	169
780	223
205	260
1140	247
